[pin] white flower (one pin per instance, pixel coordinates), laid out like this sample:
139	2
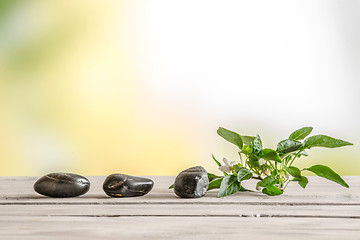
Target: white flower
227	167
265	173
262	162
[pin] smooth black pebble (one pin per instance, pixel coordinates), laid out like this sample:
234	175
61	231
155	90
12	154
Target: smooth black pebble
191	183
121	185
62	185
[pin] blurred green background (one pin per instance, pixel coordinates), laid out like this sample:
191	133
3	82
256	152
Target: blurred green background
140	87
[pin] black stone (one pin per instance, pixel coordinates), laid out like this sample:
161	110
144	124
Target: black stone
191	183
121	185
62	185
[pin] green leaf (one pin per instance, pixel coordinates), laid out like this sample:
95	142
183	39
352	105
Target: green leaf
269	180
257	143
301	133
212	176
293	171
217	162
302	182
244	174
328	173
288	145
324	141
229	185
274	172
253	161
246	149
269	154
215	184
272	190
236	168
248	139
172	186
230	136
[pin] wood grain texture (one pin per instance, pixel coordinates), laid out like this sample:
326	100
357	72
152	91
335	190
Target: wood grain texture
176	228
324	210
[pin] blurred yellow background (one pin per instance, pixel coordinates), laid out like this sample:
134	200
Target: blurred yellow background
140	87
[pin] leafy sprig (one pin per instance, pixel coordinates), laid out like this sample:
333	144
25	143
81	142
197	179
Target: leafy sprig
273	168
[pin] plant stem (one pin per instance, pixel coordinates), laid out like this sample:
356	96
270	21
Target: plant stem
286	184
295	156
258	178
241	160
273	167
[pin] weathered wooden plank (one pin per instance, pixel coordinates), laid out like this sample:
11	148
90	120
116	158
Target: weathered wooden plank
19	190
322	211
310	211
177	228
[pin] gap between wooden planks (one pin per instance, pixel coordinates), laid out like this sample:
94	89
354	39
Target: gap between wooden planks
180	210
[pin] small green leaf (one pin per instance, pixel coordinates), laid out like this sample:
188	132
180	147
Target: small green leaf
215	184
301	133
328	173
269	154
172	186
244	174
269	180
272	190
248	139
217	162
253	161
212	176
229	185
257	144
230	136
302	182
288	145
293	171
236	168
324	141
274	172
246	149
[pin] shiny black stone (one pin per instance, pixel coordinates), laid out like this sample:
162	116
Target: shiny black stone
121	185
62	185
191	183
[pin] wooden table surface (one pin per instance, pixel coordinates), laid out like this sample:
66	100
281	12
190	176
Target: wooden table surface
324	210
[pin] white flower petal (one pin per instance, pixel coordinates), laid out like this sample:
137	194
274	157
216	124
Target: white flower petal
232	163
262	161
225	168
226	161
